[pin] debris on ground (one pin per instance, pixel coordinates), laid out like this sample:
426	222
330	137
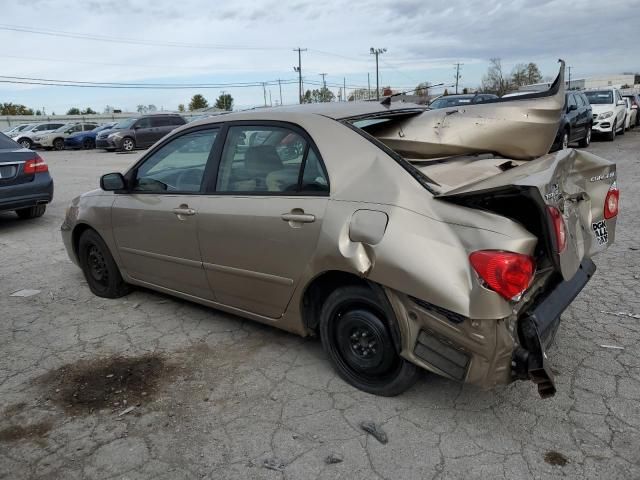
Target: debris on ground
622	314
333	458
615	347
25	293
274	464
16	433
126	410
555	458
375	430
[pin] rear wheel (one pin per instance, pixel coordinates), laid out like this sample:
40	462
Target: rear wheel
58	144
99	267
355	333
26	143
586	140
565	140
31	212
88	144
128	144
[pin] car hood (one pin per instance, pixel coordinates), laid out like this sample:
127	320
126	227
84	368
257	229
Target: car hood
600	108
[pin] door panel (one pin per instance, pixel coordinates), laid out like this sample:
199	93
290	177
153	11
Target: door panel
159	246
253	257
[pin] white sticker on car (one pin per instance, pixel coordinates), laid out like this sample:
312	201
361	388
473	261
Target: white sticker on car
600	230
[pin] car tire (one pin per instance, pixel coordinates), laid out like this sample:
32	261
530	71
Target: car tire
58	144
88	144
99	268
31	212
128	144
624	126
586	140
611	136
25	142
355	334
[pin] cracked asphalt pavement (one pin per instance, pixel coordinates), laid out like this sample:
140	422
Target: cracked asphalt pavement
151	387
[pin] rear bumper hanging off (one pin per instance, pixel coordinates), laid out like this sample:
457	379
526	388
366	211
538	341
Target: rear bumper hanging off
538	325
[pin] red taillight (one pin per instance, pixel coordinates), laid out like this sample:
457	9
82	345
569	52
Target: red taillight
611	202
559	228
35	165
506	273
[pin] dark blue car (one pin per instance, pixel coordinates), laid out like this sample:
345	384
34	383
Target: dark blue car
86	140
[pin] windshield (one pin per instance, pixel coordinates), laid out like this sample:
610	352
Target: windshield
600	97
124	124
445	102
64	127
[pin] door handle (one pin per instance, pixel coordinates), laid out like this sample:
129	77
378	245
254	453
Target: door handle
184	211
298	217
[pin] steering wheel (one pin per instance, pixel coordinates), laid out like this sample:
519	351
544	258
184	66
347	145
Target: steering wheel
187	179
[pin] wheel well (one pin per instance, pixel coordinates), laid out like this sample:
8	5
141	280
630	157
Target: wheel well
76	234
319	289
57	138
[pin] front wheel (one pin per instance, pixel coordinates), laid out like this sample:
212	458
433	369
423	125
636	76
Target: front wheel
99	268
624	126
586	140
58	144
88	144
26	143
612	135
355	333
565	140
128	144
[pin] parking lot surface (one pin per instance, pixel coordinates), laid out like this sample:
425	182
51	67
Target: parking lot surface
150	387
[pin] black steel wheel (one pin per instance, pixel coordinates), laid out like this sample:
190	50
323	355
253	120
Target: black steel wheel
99	268
88	144
355	332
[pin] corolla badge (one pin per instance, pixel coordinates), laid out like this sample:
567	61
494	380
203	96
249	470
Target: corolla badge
604	176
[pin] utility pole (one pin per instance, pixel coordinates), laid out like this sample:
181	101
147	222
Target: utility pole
264	93
377	52
569	78
457	65
270	102
299	70
280	86
324	86
344	88
368	87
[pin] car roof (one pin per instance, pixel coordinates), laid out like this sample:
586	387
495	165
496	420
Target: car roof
334	110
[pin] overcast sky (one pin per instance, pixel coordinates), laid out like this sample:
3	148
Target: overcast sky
196	41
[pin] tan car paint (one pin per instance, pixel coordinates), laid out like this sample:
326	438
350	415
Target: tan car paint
377	223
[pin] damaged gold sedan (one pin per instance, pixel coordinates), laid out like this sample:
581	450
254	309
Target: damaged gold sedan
407	239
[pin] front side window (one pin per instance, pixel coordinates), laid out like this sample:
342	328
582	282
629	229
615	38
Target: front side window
177	166
571	101
259	159
89	126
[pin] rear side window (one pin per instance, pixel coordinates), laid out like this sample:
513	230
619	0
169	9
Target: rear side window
143	123
269	159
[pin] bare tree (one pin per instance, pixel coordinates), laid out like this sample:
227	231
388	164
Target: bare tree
494	81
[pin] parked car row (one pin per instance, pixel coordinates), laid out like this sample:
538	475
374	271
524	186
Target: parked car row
126	135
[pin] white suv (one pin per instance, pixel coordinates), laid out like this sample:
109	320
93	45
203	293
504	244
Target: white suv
609	111
25	137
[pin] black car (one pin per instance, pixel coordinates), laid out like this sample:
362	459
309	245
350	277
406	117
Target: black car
25	183
461	100
139	132
575	123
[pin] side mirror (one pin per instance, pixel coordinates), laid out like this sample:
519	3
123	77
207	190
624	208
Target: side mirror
112	181
622	102
572	107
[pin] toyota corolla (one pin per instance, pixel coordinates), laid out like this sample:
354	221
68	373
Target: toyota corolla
405	238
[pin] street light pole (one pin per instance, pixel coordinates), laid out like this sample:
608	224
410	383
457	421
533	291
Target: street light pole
377	52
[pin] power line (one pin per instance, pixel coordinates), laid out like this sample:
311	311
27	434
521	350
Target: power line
89	84
132	41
